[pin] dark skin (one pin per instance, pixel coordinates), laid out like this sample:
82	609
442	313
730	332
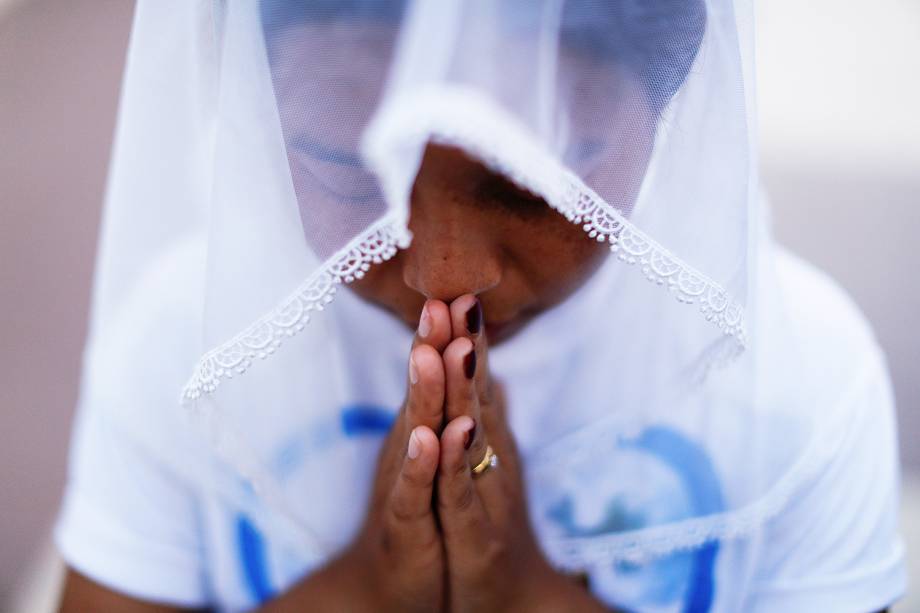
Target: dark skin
480	245
436	537
475	232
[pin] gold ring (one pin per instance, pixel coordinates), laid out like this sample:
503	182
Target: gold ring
488	461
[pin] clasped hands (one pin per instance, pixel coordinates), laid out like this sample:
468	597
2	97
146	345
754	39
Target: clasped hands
437	537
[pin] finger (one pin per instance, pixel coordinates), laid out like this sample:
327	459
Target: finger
411	522
425	402
466	317
463	517
434	326
495	423
495	420
467	321
499	495
460	368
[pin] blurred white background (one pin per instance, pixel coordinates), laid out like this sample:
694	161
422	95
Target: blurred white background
839	90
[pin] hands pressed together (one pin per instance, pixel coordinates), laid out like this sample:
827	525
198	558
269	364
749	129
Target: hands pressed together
439	537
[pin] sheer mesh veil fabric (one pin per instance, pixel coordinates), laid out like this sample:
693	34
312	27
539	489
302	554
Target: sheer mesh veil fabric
588	121
282	139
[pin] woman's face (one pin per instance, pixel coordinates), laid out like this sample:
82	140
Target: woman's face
475	232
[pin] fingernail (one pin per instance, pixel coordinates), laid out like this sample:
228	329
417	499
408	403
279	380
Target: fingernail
415	446
470	435
469	364
424	324
474	318
413	371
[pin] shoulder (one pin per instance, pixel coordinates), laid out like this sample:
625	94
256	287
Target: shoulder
141	351
822	315
129	517
836	539
149	333
813	341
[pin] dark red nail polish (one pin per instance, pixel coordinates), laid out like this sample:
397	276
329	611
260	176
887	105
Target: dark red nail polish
474	318
469	364
470	435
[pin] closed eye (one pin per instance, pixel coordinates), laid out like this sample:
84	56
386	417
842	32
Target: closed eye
494	189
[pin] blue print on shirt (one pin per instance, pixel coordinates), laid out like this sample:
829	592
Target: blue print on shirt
354	421
317	437
253	564
686	577
366	419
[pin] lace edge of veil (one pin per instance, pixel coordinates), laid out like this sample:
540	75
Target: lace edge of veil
563	191
265	335
655	542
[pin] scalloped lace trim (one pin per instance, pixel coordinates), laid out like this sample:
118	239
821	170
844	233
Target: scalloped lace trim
379	243
640	546
644	544
579	203
502	147
582	206
659	265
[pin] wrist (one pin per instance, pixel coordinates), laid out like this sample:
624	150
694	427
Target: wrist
553	591
341	584
356	577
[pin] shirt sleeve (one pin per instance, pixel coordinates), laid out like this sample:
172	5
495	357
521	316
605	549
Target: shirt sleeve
837	546
129	521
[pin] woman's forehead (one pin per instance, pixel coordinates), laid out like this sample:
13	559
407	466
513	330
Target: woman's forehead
332	66
329	76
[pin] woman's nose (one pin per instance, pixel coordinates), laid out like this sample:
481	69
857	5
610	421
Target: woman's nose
455	248
448	260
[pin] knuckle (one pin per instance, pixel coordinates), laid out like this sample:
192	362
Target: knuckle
477	450
427	547
463	498
422	411
385	541
412	480
458	469
401	512
410	414
496	554
401	506
484	396
496	550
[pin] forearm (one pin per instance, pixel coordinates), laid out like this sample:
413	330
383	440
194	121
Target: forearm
576	600
562	594
337	586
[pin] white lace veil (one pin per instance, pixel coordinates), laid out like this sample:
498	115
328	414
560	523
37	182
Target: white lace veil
271	148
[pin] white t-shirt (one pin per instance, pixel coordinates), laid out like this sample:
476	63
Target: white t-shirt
134	519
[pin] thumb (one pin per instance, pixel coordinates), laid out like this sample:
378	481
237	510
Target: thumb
409	515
